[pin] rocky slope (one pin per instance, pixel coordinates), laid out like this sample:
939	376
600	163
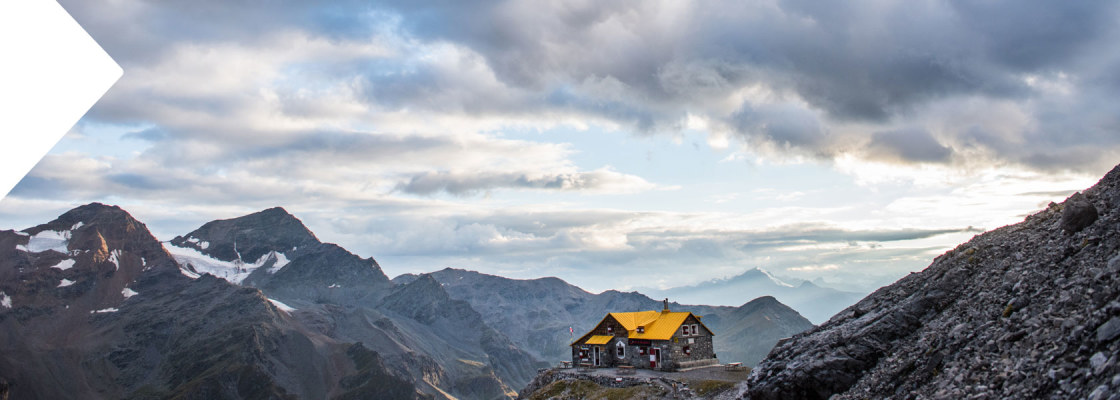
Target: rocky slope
1030	310
816	303
273	250
92	306
536	314
576	384
441	344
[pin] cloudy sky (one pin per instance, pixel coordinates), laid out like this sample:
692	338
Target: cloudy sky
614	144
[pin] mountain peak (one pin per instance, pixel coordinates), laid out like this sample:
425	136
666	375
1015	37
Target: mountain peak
273	229
86	215
420	299
274	212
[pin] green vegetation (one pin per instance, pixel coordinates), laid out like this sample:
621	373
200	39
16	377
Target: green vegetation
582	389
570	389
710	387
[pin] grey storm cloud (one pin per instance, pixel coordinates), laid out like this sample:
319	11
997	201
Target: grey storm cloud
864	62
915	145
647	65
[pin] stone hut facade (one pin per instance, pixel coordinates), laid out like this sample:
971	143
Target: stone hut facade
664	340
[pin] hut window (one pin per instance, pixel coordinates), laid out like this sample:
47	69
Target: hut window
684	330
694	330
641	351
641	329
610	330
687	350
620	350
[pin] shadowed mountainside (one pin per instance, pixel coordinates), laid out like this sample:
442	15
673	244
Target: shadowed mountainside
537	313
92	306
1030	310
441	343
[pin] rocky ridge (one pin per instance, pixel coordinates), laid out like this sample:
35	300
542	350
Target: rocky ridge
1030	310
441	344
273	250
94	307
536	313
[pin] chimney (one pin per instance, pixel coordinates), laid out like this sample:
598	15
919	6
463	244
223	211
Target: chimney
666	301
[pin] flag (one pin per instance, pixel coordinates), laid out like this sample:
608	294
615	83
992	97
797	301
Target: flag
571	332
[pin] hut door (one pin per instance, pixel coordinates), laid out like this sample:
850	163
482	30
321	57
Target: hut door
595	356
654	357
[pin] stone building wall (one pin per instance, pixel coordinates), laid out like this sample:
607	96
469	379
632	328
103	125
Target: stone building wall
607	327
672	351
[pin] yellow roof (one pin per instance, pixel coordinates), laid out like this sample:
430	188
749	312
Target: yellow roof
599	339
656	325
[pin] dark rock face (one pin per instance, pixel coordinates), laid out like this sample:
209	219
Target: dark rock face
322	272
94	307
1077	214
1025	311
326	273
425	301
249	237
440	344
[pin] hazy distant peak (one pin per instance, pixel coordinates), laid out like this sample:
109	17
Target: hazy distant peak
770	276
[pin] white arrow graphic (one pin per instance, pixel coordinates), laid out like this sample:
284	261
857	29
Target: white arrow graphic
52	73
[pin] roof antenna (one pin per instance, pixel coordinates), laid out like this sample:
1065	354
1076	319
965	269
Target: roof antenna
666	305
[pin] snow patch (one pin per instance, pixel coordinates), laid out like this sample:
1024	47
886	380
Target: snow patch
232	271
128	293
48	240
64	264
188	274
24	234
204	245
774	279
281	306
334	285
281	261
115	257
65	283
5	301
104	310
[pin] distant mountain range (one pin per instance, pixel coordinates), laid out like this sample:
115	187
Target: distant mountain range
537	313
815	302
93	306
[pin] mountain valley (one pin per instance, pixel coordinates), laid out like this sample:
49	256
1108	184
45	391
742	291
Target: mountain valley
257	306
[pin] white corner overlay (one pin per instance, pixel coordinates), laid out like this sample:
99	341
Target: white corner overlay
52	73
